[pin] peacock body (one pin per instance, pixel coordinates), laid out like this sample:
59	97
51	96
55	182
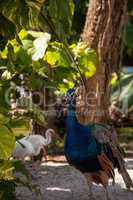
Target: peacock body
94	151
80	143
81	146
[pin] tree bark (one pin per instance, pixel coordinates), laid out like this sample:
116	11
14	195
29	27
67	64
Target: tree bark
102	32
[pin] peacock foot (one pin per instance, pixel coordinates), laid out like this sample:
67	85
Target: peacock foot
91	197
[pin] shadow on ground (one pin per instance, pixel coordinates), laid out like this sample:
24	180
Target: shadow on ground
60	181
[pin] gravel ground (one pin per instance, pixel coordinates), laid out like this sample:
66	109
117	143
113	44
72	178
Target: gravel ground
58	181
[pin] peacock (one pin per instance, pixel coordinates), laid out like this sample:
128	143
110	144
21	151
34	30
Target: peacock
93	149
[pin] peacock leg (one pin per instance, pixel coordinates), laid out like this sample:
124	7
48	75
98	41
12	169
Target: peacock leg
90	190
107	193
89	182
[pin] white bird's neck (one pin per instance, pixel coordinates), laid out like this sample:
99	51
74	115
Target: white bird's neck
48	136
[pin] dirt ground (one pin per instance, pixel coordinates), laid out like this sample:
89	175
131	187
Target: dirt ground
59	181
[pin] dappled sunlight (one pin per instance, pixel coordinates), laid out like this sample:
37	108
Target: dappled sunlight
43	172
61	181
129	164
58	189
53	164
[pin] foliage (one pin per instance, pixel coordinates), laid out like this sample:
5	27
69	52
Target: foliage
52	16
58	17
21	12
8	168
36	57
7	139
36	51
7	190
114	79
12	174
128	37
128	41
122	92
87	59
32	111
6	142
78	18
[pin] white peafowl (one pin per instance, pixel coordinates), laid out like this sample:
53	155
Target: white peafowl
32	145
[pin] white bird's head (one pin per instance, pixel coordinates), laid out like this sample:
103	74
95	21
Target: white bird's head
49	132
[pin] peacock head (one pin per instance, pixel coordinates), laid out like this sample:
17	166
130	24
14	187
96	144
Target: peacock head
70	99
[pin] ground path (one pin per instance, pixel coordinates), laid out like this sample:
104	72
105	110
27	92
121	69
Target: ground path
58	181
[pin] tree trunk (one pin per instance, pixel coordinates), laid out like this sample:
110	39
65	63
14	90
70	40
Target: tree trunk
102	32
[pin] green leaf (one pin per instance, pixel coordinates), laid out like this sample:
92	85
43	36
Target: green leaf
52	57
122	91
3	119
129	36
6	170
35	85
90	70
58	14
33	111
87	62
3	42
61	73
13	173
22	58
22	13
4	86
11	58
114	79
86	58
7	142
7	190
57	56
7	28
19	166
22	34
127	95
